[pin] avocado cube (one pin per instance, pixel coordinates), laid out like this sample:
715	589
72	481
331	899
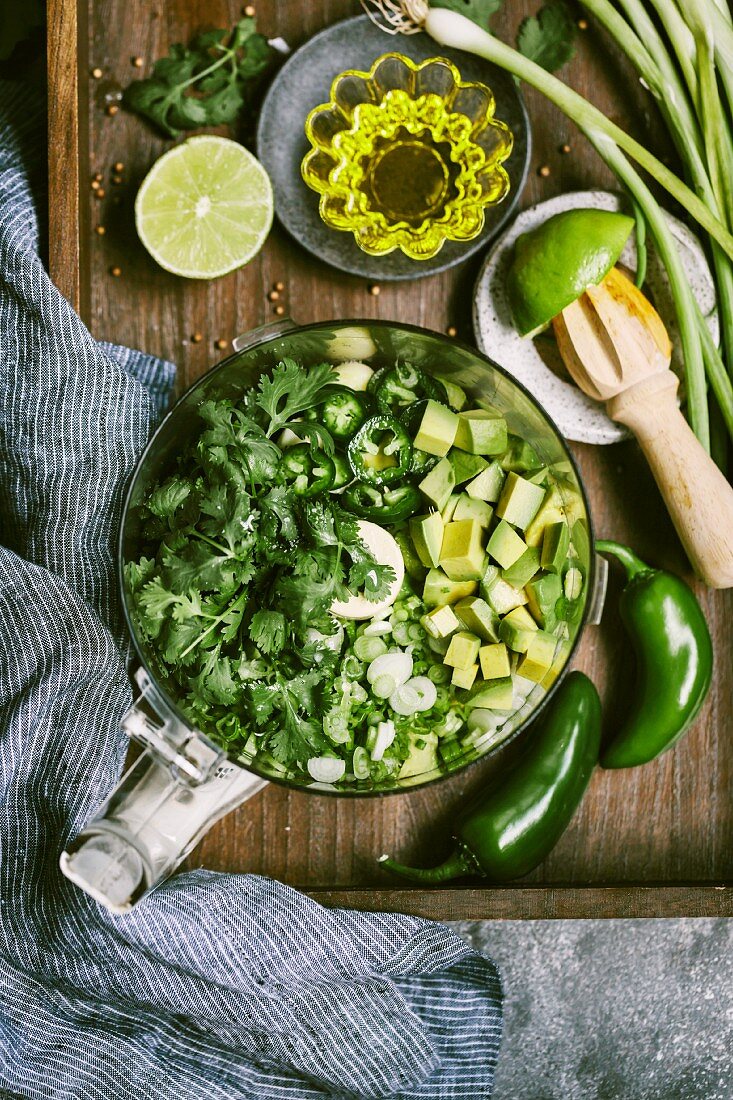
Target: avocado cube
487	484
542	596
456	396
524	568
539	656
555	545
470	508
427	537
505	545
496	695
439	590
580	542
539	477
573	583
520	500
462	555
422	758
438	485
463	650
517	628
447	512
561	655
500	596
441	622
550	511
464	677
520	456
437	429
477	616
465	466
494	661
481	432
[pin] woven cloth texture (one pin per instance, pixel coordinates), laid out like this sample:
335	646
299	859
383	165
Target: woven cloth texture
214	985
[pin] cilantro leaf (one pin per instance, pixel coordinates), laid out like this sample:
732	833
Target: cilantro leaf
292	390
480	11
168	497
206	84
268	630
548	38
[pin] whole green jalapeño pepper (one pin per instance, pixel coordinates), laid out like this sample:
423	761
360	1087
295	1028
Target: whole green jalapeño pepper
674	658
509	829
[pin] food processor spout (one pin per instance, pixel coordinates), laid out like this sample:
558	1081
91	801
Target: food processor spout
171	796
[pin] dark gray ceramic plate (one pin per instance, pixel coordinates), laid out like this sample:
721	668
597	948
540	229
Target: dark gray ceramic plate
305	81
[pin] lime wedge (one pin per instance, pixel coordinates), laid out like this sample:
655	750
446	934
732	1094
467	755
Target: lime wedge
556	262
204	208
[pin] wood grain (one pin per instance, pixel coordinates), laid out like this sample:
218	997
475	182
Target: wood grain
669	823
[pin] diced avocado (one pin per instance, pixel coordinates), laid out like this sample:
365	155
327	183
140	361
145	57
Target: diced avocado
437	429
561	656
520	456
520	500
481	432
439	589
413	566
464	677
500	596
441	622
539	656
438	485
427	537
487	484
465	466
524	568
462	554
497	695
469	508
555	543
447	512
505	545
542	596
580	542
456	396
422	758
550	511
539	477
477	616
516	629
494	661
463	650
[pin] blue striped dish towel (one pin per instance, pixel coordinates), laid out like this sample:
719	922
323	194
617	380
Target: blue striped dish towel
215	986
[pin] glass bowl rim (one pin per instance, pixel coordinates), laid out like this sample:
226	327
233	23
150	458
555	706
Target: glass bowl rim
291	784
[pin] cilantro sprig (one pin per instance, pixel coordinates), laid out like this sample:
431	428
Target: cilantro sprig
236	572
205	84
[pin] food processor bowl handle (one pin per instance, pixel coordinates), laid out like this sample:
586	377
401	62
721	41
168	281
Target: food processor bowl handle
165	803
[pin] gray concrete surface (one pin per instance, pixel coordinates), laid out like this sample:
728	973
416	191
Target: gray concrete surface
613	1010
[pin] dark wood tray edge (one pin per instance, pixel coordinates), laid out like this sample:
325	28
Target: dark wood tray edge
539	902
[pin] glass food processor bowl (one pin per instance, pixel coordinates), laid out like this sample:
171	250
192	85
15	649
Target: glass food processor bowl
184	781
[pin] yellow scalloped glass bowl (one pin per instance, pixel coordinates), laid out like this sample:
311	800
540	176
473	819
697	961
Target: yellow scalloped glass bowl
407	156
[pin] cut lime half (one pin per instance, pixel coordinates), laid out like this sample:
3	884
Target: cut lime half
204	208
557	261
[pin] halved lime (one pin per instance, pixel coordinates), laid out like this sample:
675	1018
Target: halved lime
556	262
204	208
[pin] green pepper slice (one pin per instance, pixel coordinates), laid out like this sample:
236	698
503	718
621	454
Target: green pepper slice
343	473
381	451
674	658
382	505
399	386
342	413
508	830
307	472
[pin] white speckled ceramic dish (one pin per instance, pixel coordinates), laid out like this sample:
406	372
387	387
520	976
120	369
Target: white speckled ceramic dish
577	416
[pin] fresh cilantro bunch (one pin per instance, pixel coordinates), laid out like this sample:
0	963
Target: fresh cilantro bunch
236	575
204	84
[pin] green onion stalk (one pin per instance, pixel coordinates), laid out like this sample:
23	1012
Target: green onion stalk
691	111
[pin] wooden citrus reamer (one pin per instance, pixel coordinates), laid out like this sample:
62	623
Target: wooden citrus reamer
617	350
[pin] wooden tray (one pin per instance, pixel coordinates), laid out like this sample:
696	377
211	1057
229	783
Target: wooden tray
654	841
